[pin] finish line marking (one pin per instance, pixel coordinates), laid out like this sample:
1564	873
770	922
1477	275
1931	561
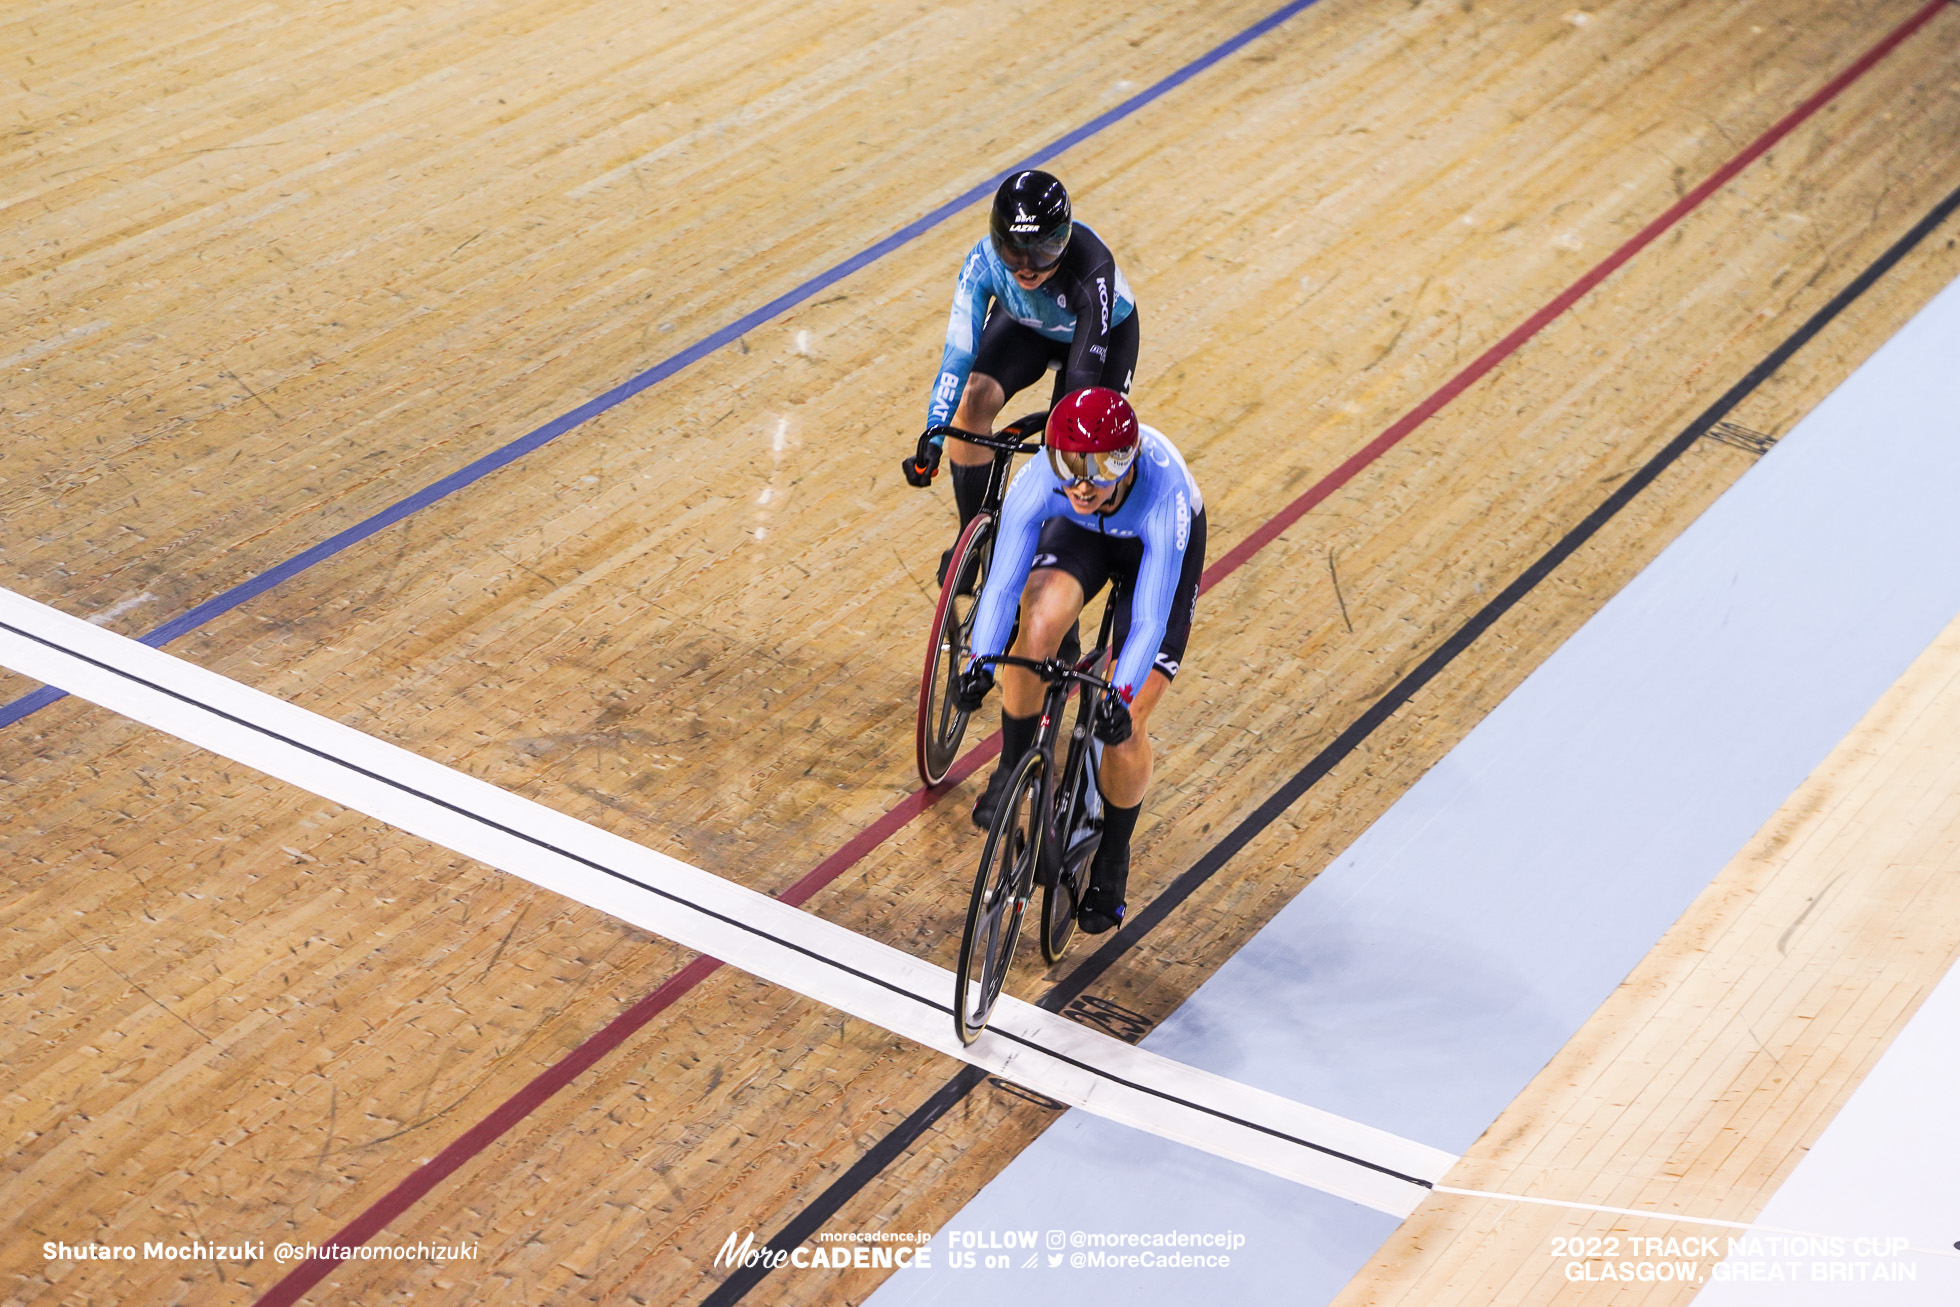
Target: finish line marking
698	910
411	1189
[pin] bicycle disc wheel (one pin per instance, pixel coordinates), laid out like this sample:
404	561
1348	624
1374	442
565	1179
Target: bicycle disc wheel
941	724
1000	899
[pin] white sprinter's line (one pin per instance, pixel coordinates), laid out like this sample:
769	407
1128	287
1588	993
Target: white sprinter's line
760	935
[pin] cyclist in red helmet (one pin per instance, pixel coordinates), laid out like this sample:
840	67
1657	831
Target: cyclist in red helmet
1111	503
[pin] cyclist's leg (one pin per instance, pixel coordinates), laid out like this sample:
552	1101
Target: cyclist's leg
1050	604
1008	359
1125	779
1069	568
971	464
980	403
1126	767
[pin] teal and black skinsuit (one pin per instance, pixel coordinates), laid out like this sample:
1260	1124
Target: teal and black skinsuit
1080	306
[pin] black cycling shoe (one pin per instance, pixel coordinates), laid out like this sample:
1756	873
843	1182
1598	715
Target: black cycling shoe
1094	917
988	804
1102	907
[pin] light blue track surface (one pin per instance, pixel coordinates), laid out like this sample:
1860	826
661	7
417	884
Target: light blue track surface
1434	968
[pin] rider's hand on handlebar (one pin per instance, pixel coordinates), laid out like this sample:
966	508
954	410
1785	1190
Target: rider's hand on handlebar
972	688
1113	725
923	466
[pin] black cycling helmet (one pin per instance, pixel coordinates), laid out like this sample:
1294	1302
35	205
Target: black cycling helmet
1030	225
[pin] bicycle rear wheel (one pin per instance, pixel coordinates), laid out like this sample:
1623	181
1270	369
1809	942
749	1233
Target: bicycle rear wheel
941	724
1001	890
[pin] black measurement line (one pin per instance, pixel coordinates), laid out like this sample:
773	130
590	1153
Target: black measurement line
887	1150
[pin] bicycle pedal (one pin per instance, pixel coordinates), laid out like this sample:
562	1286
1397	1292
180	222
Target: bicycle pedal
1095	921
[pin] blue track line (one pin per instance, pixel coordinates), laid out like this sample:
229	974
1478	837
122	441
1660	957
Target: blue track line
214	607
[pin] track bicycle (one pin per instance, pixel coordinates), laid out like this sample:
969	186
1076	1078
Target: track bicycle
1047	829
941	725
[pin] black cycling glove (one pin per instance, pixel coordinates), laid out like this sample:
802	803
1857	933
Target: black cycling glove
1113	725
923	466
972	688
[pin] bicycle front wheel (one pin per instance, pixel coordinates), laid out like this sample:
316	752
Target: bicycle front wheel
941	724
1001	890
1071	840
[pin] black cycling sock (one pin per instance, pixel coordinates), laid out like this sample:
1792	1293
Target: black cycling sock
1111	873
1017	737
970	489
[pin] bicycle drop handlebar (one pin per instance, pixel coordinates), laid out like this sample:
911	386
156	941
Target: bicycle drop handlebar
1009	441
1052	670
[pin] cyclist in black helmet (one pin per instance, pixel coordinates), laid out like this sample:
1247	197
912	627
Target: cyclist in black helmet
1040	291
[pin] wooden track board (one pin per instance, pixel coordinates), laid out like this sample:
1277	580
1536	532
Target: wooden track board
1700	1084
272	276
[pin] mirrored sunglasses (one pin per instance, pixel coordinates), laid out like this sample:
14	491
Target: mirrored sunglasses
1104	469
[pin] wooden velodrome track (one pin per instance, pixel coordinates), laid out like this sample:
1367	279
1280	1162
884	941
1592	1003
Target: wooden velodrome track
266	275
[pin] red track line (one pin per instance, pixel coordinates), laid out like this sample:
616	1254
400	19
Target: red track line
376	1218
485	1132
1532	325
899	816
300	1280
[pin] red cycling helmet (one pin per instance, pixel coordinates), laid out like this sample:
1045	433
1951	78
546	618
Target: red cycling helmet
1092	436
